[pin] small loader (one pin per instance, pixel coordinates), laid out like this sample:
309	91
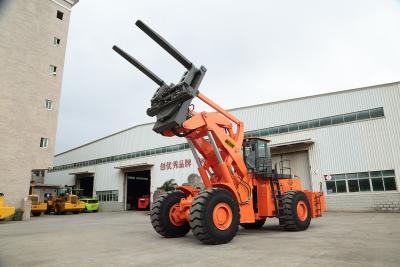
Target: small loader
5	211
37	208
66	200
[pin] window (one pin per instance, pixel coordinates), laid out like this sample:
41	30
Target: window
353	186
56	41
375	181
325	121
38	173
364	185
44	142
107	196
363	115
264	132
293	127
49	104
341	186
52	70
252	133
303	125
274	130
313	124
60	15
337	119
331	187
376	113
350	117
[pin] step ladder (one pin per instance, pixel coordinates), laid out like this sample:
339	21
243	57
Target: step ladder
277	194
318	206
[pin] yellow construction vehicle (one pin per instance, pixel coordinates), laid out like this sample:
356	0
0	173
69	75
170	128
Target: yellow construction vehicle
66	200
37	207
5	211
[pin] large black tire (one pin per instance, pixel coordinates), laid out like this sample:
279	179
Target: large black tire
36	214
255	225
160	218
201	216
291	221
76	212
57	210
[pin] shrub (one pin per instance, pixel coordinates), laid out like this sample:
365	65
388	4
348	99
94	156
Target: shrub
18	214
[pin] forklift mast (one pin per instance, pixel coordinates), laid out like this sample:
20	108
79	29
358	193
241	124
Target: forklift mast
209	134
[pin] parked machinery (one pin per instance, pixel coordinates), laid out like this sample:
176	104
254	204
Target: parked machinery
91	204
143	202
241	185
37	207
5	211
66	200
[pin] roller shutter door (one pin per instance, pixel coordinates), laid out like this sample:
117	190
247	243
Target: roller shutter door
300	166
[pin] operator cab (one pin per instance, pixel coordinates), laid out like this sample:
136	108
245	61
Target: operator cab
257	156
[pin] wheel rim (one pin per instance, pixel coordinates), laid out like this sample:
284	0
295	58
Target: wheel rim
302	211
222	216
174	215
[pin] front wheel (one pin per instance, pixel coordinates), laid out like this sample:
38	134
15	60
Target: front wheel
214	216
164	215
296	211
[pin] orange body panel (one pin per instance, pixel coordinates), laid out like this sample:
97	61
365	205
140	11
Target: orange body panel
223	167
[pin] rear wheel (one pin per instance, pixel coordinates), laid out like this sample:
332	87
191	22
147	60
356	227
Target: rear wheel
255	225
36	214
297	211
214	216
57	210
76	212
165	218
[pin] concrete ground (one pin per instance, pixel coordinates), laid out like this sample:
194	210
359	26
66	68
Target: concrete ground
127	239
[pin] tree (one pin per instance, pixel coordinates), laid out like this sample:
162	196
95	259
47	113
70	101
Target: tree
169	185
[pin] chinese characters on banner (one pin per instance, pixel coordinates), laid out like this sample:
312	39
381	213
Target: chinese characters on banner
176	164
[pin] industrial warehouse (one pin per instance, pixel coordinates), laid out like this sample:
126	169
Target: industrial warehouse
343	143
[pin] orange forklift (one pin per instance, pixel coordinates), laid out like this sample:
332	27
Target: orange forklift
242	187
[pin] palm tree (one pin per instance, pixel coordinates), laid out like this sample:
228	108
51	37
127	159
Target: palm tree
169	185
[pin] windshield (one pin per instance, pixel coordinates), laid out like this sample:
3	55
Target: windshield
62	191
257	156
250	156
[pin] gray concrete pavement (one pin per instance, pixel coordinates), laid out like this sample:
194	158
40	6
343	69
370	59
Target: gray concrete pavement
127	239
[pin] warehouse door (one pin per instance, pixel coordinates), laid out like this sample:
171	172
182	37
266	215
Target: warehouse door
86	184
137	190
299	163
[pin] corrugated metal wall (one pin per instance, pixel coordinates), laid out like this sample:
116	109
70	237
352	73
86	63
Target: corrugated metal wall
352	147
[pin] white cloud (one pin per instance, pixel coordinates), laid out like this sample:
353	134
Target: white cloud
255	51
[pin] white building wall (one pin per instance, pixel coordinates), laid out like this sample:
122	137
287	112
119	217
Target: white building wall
108	176
345	148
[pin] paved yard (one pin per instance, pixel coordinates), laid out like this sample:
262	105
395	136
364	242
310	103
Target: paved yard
127	239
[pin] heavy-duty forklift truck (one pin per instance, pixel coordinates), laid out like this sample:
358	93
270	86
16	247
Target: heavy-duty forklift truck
241	185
